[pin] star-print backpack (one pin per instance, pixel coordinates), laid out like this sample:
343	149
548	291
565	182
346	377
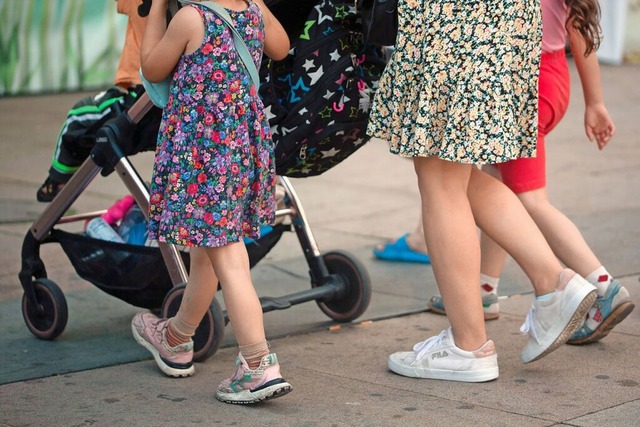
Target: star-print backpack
318	98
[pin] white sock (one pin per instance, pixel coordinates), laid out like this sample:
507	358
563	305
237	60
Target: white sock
489	284
601	279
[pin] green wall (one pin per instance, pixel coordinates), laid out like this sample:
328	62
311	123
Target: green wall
58	45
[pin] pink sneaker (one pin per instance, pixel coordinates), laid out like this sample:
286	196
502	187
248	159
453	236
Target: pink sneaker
252	386
150	332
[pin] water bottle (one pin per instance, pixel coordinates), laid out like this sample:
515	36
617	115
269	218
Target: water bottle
133	227
117	211
98	228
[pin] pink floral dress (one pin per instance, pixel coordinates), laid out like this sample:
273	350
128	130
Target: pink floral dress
214	173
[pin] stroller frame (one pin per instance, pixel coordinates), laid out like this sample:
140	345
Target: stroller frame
340	283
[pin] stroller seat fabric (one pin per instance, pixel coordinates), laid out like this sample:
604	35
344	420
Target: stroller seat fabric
318	98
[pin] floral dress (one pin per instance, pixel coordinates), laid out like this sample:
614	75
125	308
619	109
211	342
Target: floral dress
214	174
462	83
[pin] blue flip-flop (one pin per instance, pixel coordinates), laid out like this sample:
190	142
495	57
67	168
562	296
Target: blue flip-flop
399	251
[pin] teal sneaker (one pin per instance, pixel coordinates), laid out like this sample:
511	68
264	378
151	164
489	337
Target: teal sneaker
490	305
606	313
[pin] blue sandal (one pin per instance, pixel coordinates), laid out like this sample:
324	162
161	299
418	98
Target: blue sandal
399	251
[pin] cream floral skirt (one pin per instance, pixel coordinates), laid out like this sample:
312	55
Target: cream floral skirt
462	83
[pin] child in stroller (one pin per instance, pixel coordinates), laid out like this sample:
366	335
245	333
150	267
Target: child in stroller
77	136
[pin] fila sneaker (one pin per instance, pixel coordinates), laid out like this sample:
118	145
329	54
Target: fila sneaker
438	358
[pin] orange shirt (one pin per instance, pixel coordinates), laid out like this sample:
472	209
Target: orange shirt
129	65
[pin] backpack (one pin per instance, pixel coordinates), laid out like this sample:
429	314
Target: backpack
318	98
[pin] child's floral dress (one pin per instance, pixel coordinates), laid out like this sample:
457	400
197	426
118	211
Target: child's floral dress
214	173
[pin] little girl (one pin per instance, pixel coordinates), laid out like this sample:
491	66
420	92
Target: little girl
577	22
213	182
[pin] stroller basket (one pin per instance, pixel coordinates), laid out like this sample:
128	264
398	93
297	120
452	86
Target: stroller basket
137	274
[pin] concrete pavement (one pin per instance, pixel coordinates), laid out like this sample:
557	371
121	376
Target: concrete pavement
95	374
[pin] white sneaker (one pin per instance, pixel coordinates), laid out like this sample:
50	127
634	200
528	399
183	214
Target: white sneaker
551	322
438	358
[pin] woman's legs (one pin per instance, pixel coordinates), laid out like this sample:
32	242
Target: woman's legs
462	352
498	213
562	234
613	304
453	196
451	236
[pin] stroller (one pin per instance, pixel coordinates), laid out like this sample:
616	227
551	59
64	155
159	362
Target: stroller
155	277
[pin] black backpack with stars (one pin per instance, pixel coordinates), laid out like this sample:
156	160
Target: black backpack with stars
318	98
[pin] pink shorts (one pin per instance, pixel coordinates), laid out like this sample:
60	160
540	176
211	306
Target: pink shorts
527	174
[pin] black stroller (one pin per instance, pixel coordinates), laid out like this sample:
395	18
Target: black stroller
155	277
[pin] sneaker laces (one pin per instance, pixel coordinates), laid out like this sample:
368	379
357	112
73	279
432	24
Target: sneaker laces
528	327
423	347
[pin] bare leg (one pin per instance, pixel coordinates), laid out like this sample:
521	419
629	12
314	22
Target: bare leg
562	234
451	235
231	264
415	239
201	289
493	256
499	213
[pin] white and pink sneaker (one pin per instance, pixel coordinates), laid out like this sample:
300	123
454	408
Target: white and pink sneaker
253	385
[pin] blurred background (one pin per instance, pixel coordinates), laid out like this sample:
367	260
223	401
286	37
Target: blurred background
69	45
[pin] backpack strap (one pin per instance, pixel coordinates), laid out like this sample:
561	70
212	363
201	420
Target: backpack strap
241	47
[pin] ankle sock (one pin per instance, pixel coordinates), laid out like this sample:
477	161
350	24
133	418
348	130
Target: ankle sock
601	279
545	296
489	284
179	331
253	353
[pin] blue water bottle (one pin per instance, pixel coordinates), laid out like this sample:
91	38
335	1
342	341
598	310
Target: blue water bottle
133	227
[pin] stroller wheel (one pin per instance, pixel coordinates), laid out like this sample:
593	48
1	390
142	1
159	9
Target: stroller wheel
357	292
209	333
48	318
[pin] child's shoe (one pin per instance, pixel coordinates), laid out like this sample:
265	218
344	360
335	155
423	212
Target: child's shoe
608	310
150	332
490	305
253	385
438	358
551	322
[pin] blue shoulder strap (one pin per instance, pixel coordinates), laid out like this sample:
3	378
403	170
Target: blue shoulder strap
241	47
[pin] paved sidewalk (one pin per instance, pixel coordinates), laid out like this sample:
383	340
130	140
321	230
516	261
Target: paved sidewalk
95	374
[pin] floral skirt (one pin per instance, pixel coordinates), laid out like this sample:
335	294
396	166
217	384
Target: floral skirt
462	83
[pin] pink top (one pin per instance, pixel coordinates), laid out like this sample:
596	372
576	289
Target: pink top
554	19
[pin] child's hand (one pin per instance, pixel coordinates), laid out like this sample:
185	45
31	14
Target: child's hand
598	124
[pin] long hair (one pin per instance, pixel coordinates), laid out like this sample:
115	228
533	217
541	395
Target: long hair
584	17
